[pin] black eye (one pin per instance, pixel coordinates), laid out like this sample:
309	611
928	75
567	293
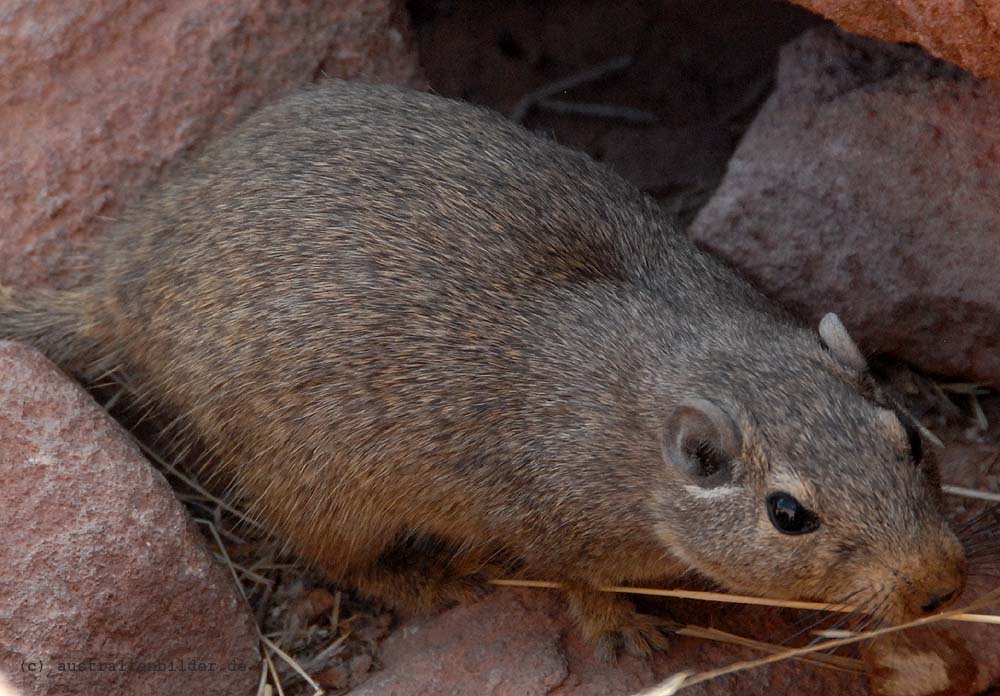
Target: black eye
788	516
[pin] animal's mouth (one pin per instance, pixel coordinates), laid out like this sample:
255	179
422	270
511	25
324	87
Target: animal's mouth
939	602
930	592
916	605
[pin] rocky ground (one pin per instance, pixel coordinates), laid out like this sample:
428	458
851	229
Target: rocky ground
839	173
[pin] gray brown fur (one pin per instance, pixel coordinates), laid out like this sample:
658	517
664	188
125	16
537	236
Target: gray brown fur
424	345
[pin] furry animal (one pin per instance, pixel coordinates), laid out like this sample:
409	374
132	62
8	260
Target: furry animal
425	347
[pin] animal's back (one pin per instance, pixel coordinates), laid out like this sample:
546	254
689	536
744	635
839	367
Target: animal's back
376	214
365	289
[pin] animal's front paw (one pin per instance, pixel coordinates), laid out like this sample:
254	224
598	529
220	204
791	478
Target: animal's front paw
639	639
611	622
460	589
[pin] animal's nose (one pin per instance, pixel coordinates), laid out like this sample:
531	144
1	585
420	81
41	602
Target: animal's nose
937	600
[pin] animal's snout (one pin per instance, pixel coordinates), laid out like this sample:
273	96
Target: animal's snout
938	600
933	579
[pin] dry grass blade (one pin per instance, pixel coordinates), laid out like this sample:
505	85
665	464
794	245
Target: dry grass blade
724	597
834	633
274	672
598	72
320	658
927	433
668	688
262	685
835	661
194	485
731	599
225	555
971	493
988	599
533	584
963	388
268	666
978	414
247	573
610	111
291	662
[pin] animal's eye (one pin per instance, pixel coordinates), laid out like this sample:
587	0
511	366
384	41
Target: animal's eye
913	438
788	515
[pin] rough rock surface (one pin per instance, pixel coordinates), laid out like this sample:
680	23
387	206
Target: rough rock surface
520	642
100	565
967	33
98	96
869	184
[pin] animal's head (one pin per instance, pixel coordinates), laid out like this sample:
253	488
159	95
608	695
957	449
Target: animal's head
797	478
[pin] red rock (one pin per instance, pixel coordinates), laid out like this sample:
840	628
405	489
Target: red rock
505	645
521	642
359	667
928	661
100	562
966	33
869	185
336	677
97	97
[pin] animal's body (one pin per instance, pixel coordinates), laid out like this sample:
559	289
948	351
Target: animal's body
422	344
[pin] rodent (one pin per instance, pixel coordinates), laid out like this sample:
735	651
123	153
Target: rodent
425	346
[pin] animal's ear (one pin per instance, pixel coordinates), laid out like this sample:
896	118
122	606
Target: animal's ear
839	343
701	441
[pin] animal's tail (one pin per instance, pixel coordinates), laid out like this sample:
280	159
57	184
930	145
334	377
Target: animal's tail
50	320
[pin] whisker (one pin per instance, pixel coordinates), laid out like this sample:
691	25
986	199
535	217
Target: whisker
988	528
984	564
877	617
985	541
991	511
875	611
823	616
862	611
877	614
985	535
983	546
867	610
986	546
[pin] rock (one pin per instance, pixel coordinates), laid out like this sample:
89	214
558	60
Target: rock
869	185
334	678
966	33
98	97
104	580
928	661
521	642
359	667
505	645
